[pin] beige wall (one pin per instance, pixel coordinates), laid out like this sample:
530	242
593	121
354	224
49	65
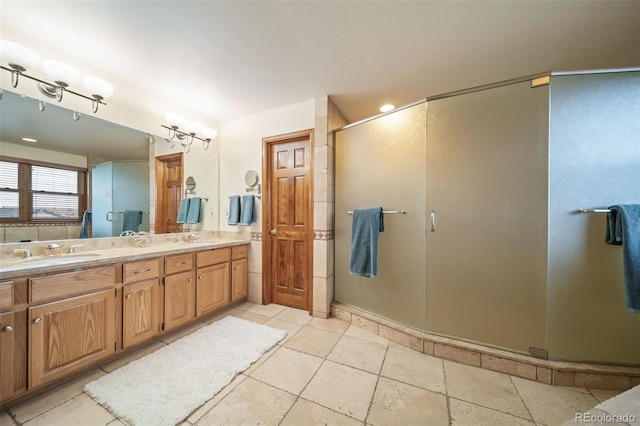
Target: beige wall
240	151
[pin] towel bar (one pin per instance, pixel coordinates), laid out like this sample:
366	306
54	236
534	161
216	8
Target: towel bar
593	211
386	212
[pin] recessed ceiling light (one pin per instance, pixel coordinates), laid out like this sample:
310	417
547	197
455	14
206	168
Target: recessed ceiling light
29	140
387	108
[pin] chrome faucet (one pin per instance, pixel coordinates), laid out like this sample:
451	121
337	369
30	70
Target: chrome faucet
25	252
73	248
52	249
191	238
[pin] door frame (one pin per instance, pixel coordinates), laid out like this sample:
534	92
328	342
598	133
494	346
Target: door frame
160	182
267	167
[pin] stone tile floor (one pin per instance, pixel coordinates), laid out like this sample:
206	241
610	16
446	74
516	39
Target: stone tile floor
327	371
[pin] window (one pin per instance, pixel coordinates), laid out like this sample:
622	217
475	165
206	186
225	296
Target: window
37	192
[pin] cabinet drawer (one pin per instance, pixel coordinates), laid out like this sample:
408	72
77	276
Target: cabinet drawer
211	257
179	263
143	270
6	295
73	283
238	252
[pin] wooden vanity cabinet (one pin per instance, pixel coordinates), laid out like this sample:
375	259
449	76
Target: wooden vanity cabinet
7	341
70	334
239	272
140	301
179	292
54	325
212	286
7	351
71	322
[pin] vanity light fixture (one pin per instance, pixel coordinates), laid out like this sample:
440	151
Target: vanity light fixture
387	108
20	59
30	140
185	131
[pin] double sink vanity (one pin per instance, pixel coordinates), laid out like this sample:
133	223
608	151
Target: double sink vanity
63	312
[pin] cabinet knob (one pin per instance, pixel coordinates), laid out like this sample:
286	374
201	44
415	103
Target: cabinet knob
129	296
37	320
199	277
8	328
190	280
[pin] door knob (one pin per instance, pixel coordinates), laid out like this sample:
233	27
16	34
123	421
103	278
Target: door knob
273	232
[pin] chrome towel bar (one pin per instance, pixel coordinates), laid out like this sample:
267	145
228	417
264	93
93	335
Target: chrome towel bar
386	212
593	211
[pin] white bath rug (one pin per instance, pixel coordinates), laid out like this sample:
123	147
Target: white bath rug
165	386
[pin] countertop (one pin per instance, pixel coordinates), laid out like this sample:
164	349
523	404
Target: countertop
13	267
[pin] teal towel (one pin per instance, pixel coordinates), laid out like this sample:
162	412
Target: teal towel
623	228
84	226
183	210
234	210
131	220
365	231
248	210
193	212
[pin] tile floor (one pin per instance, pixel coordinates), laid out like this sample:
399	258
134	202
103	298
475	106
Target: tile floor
328	372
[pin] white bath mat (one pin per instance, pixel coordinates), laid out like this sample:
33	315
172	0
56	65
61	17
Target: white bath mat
164	387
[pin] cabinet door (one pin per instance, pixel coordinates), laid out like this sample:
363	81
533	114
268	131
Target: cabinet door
70	334
7	342
179	299
140	312
239	279
213	288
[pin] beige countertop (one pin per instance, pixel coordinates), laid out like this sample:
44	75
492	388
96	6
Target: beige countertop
14	266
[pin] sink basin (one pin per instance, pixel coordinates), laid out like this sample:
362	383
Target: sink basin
36	261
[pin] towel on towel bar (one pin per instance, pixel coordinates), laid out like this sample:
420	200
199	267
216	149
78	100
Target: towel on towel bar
248	210
365	231
193	212
234	210
84	226
623	228
183	210
131	220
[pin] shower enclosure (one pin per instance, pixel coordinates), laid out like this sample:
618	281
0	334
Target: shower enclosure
491	249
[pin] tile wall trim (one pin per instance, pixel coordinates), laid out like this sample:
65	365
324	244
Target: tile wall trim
559	373
322	235
256	236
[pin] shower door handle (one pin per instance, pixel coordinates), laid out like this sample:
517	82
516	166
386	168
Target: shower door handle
433	220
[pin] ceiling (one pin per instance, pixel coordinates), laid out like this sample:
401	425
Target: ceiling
226	60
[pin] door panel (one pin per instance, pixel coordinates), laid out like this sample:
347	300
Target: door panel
169	178
68	335
212	288
179	299
140	312
289	224
7	349
487	183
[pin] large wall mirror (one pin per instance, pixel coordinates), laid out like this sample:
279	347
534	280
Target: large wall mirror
111	152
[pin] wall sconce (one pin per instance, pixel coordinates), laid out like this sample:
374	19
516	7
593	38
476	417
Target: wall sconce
185	130
21	59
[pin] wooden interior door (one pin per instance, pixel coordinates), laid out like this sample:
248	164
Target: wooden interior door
169	178
288	220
